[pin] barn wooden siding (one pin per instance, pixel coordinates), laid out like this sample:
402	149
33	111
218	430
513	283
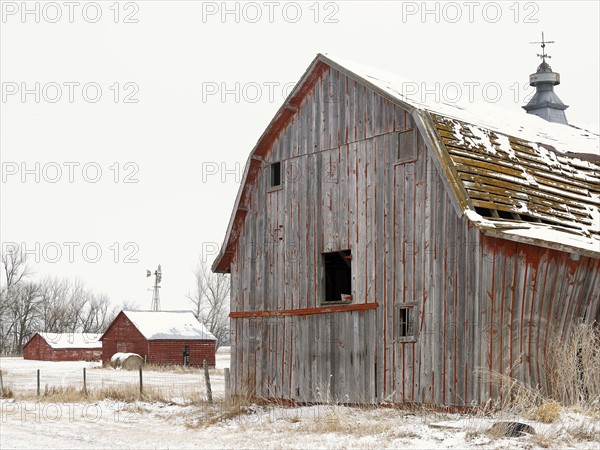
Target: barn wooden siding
123	336
171	351
530	296
342	189
37	348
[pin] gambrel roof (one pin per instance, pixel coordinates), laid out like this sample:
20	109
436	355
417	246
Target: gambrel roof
512	174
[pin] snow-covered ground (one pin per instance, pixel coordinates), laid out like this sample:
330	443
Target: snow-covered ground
20	375
145	425
108	424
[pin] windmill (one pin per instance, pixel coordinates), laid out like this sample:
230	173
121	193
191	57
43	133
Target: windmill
155	295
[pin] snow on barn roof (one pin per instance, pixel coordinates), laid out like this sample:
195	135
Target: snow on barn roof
72	340
575	139
524	178
169	325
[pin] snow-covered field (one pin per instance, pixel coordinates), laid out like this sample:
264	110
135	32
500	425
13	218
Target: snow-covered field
20	376
145	425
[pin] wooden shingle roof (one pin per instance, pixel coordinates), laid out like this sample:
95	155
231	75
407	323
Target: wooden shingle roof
512	180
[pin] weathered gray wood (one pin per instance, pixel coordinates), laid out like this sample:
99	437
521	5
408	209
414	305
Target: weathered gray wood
227	374
482	302
206	381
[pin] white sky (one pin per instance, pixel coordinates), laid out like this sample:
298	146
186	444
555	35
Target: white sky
178	51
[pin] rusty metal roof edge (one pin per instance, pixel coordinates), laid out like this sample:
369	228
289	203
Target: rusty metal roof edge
457	192
499	233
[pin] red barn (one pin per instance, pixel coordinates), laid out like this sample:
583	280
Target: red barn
63	347
160	337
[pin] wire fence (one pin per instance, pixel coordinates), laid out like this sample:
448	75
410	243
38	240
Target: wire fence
171	383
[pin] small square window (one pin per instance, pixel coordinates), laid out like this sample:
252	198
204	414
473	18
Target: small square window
276	174
406	146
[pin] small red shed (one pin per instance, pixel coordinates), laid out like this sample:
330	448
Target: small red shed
63	347
160	337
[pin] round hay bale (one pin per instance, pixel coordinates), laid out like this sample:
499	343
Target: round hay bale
132	362
115	360
127	361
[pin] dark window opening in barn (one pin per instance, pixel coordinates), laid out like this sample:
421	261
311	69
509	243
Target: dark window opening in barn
406	148
276	174
405	323
338	276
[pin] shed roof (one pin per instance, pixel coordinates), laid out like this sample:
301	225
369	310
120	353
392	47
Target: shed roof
156	325
72	340
513	174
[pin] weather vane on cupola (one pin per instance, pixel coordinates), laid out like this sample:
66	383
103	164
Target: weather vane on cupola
543	55
545	103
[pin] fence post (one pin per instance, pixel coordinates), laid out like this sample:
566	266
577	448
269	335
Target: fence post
141	381
227	382
84	383
38	382
207	379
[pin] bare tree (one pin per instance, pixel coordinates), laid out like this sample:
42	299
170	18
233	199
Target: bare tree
211	301
15	266
54	310
23	311
94	318
15	298
53	304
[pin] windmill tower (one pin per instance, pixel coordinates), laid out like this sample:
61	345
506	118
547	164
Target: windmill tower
155	295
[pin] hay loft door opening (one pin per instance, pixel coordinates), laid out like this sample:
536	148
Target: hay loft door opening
338	276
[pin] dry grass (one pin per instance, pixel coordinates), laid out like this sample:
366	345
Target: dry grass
223	411
585	433
545	441
128	394
6	393
572	379
175	368
548	412
573	367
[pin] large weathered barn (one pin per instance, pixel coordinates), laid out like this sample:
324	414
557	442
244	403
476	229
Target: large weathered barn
160	337
63	347
384	249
